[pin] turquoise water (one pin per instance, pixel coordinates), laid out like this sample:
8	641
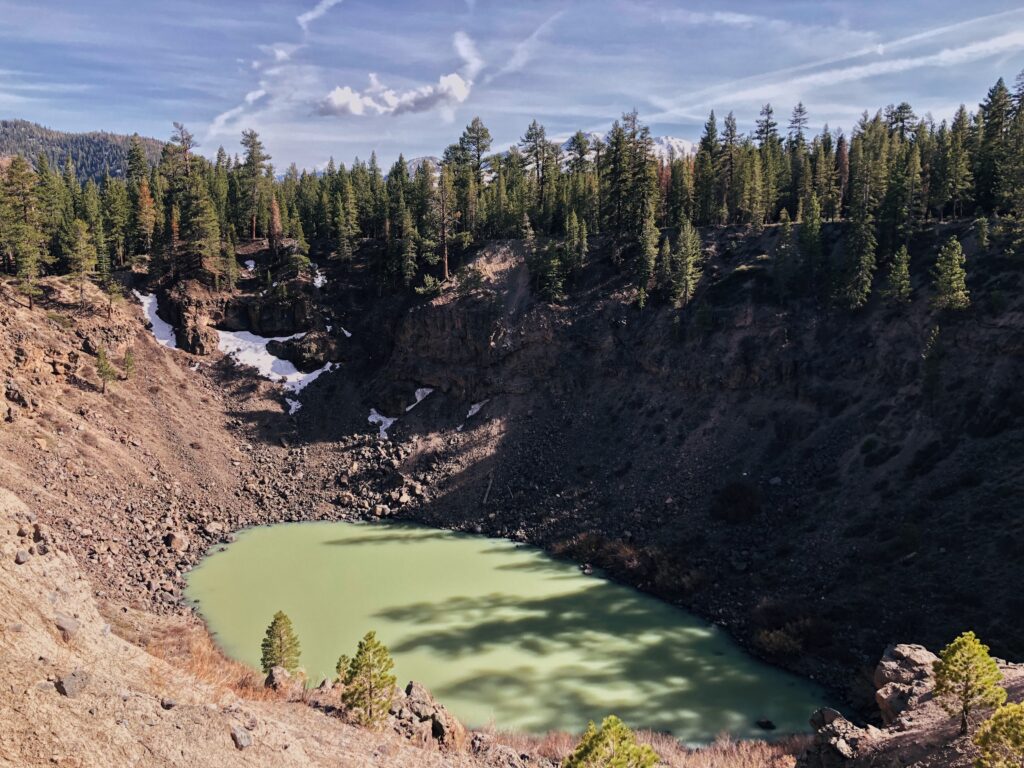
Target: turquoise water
499	632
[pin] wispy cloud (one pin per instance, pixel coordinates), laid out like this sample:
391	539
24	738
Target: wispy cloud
314	13
799	81
526	49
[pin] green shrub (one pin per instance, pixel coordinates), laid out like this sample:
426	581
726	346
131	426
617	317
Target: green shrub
613	745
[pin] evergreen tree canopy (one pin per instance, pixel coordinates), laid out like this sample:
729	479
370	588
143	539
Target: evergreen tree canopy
369	683
967	678
280	646
613	745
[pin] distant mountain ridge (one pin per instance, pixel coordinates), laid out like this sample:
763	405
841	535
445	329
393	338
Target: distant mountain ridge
92	152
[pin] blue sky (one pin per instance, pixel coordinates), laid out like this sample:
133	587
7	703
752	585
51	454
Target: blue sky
321	78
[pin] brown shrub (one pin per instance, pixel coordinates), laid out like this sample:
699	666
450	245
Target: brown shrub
191	649
723	753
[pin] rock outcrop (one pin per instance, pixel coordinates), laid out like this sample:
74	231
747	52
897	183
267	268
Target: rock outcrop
918	732
419	717
903	678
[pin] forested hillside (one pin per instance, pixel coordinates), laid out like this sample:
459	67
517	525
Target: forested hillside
92	153
894	173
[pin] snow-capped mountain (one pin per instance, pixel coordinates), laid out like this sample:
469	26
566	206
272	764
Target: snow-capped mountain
414	164
667	146
664	147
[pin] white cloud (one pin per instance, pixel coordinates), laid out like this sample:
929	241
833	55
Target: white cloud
449	91
253	96
307	18
345	101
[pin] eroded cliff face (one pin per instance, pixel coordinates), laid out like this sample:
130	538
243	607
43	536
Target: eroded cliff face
809	477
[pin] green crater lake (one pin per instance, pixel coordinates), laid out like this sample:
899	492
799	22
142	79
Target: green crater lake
499	632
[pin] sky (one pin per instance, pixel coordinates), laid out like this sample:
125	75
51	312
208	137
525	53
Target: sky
341	78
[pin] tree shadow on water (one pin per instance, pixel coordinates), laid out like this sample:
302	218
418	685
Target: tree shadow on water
599	650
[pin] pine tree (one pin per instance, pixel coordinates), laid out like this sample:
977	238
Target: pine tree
951	277
859	269
1000	739
447	217
104	370
613	745
144	218
688	264
967	678
116	215
811	251
128	363
200	234
897	288
476	140
369	683
253	175
21	238
784	265
647	256
704	178
582	244
276	229
81	255
280	646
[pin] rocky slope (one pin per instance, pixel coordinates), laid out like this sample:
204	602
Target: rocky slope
740	455
735	457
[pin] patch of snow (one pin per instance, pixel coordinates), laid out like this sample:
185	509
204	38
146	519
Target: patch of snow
383	421
347	334
250	266
329	328
420	394
163	331
474	409
319	279
250	349
293	406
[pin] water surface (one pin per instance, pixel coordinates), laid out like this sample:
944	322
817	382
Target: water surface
500	633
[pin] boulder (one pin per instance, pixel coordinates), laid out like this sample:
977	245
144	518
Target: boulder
177	541
241	737
72	684
68	625
283	681
21	557
904	678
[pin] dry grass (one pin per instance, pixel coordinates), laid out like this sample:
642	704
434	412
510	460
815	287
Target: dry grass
191	649
723	753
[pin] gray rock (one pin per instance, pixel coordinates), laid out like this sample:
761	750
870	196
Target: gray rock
241	737
72	684
166	703
22	557
283	681
422	719
68	625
